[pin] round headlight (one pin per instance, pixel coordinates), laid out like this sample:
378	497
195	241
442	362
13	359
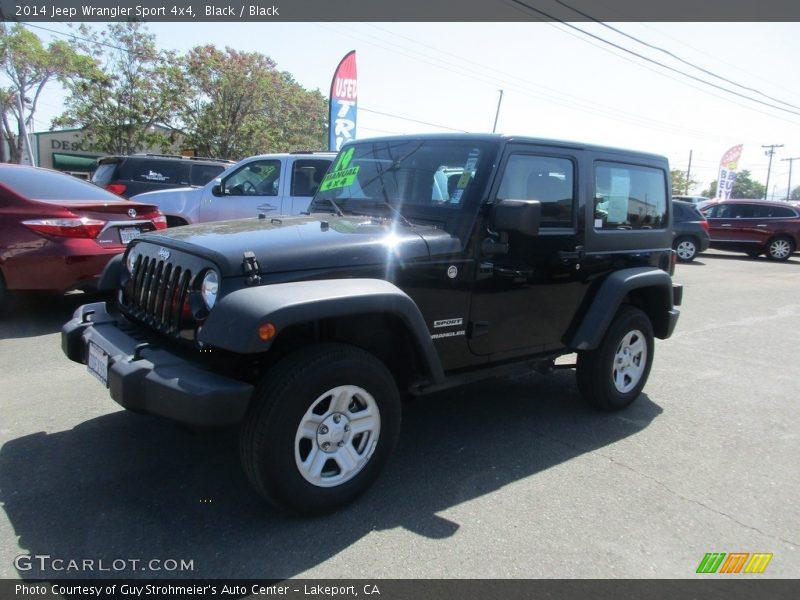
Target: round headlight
130	261
209	289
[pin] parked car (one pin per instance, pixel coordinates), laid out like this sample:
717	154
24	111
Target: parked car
754	227
58	232
272	184
139	173
690	230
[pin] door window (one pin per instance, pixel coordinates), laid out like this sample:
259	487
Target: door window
629	197
546	179
307	175
257	178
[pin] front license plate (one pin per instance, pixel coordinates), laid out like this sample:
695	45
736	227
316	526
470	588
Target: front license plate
98	363
126	234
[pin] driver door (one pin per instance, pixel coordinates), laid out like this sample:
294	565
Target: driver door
241	193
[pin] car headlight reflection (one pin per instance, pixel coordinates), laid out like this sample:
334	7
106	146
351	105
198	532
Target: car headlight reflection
130	261
209	289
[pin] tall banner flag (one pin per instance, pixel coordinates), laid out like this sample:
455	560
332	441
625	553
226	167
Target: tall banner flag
727	172
343	106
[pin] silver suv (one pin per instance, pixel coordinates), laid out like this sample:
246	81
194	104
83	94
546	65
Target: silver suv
275	184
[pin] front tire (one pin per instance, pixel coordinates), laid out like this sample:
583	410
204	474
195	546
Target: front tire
613	375
780	248
321	425
686	248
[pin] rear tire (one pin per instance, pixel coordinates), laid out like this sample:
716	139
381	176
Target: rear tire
613	375
686	248
321	425
780	248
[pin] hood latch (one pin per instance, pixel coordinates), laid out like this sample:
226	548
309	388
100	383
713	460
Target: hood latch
251	268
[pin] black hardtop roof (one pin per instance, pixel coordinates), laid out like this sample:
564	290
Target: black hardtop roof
505	139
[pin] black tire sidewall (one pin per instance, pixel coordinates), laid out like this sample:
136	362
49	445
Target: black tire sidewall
277	470
598	364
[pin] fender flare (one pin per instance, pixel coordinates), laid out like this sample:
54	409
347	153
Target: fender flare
608	298
111	276
233	324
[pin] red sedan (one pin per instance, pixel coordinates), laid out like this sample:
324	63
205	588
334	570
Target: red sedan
58	232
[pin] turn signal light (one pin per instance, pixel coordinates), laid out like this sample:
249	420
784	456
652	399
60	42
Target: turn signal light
267	331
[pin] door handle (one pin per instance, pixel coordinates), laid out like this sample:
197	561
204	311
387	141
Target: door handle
761	225
725	225
578	254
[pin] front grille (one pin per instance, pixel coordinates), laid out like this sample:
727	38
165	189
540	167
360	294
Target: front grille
157	292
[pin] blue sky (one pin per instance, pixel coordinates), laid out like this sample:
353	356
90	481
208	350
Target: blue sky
557	82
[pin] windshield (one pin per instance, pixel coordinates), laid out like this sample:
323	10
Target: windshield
425	175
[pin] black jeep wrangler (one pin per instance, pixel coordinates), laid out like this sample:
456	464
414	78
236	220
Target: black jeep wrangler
425	262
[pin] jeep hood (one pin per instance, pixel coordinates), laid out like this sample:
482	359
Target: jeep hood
315	242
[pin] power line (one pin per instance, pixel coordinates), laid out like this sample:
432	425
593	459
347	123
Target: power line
385	114
651	60
558	98
672	55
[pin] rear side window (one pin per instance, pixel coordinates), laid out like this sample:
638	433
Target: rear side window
202	174
104	174
546	179
629	197
307	175
170	172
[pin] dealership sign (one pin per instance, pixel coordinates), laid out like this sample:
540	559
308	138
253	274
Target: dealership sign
343	99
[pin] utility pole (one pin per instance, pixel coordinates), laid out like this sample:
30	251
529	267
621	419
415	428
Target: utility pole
497	114
688	173
789	187
769	153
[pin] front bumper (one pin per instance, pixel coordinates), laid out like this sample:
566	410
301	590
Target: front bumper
145	378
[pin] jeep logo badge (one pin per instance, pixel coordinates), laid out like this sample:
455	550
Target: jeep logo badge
163	253
132	213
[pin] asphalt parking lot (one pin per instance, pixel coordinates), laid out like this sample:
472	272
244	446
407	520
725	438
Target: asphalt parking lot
508	478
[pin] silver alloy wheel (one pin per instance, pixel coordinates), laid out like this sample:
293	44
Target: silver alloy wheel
780	248
686	250
630	360
337	435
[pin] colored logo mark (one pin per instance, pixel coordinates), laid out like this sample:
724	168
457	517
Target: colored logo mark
734	562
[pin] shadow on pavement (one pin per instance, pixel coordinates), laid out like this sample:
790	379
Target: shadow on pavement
132	487
35	314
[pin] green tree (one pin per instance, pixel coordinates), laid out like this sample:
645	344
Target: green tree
28	66
240	105
680	186
130	101
795	193
743	187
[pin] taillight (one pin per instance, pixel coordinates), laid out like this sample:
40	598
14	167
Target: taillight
704	224
160	222
117	188
73	228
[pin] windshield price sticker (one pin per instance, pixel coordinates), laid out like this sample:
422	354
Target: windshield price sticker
339	179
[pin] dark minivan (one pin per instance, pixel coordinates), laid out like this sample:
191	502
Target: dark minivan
138	173
690	229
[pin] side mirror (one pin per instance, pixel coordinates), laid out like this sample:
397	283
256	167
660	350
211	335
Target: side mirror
216	190
521	216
